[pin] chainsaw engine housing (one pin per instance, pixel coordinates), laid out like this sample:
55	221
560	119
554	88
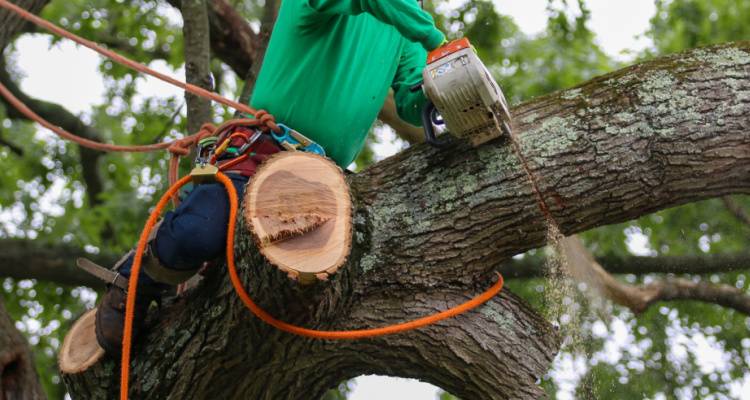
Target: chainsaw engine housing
469	100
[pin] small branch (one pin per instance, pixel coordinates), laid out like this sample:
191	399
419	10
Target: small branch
530	267
736	209
169	124
681	289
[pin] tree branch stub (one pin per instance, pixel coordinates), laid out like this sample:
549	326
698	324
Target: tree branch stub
298	209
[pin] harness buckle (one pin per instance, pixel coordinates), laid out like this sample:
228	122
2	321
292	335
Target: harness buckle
204	173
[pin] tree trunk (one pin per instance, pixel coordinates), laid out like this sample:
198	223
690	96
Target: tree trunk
12	23
18	378
430	227
197	61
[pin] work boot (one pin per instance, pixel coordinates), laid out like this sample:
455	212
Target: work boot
110	316
154	279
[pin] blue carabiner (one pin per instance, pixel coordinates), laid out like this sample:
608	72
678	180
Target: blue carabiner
282	137
291	139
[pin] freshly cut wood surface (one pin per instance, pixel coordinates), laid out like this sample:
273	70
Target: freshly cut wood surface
80	350
298	209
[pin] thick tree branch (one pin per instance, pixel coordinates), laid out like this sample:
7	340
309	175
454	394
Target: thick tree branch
29	259
430	222
232	39
18	377
582	267
424	354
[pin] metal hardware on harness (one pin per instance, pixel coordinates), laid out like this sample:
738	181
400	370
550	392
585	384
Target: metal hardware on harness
292	140
203	173
256	135
204	150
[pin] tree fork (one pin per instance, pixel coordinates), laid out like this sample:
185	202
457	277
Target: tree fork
431	225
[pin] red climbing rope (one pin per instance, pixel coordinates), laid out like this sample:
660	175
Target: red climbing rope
249	303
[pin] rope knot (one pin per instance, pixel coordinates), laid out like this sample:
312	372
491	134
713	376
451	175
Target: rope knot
267	121
181	147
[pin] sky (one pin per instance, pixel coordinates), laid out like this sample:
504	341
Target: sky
619	25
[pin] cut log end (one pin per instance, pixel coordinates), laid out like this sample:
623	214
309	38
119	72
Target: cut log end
298	210
80	350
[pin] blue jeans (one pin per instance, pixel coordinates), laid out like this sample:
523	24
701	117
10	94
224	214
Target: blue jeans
195	232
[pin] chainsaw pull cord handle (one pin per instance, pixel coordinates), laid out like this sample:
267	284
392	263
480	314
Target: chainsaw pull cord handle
429	119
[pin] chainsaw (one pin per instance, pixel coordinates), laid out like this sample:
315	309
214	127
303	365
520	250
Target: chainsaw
463	96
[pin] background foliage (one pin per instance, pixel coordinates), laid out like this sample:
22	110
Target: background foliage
675	350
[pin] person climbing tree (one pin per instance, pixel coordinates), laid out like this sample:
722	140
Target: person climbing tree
326	74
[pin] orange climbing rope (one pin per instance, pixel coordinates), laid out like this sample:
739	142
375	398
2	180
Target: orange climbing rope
249	303
264	121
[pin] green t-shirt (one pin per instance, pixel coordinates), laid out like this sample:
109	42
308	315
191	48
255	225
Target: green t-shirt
329	64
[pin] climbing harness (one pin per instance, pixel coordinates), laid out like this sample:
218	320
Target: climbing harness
214	146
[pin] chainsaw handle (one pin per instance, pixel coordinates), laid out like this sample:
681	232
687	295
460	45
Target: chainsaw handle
429	115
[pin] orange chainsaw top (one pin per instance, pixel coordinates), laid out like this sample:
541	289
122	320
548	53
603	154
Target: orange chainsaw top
329	65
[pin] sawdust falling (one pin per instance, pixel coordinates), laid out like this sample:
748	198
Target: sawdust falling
562	298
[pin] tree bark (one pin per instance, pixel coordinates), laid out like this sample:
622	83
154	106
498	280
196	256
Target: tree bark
12	24
18	378
197	61
430	227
